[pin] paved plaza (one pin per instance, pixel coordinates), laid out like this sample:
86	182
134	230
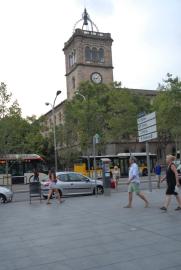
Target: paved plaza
90	232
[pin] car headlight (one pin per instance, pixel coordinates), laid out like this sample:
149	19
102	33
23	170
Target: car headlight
7	190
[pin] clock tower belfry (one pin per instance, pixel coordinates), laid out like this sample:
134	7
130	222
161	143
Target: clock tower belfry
88	56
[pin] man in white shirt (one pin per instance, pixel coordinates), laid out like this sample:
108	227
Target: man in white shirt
134	183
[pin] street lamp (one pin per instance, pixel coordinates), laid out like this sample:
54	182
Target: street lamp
79	94
88	157
54	126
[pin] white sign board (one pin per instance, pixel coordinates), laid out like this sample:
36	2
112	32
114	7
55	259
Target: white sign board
147	124
148	137
146	118
147	129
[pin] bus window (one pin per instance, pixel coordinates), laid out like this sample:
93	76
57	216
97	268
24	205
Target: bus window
20	164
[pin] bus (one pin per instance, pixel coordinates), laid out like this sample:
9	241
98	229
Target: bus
85	164
18	168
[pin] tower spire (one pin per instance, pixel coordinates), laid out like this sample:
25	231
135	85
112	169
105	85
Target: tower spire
85	16
87	22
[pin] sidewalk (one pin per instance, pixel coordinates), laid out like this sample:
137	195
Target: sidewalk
122	182
90	232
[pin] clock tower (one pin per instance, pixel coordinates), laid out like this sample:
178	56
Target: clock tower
88	56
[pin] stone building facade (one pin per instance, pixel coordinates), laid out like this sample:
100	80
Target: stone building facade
59	118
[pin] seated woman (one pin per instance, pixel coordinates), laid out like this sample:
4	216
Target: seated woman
53	186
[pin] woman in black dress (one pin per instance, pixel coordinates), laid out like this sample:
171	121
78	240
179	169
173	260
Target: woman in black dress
172	183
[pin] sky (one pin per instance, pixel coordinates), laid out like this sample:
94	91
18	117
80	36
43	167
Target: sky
146	34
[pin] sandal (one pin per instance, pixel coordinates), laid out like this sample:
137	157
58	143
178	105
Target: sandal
48	202
163	208
147	205
61	201
178	208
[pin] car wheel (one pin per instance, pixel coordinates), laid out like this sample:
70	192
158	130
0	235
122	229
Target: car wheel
60	192
2	198
100	190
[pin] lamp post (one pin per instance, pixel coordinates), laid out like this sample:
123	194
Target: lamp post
54	126
88	157
79	94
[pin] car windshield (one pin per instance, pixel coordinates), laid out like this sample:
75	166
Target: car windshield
62	177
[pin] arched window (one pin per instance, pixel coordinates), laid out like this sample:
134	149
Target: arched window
101	55
87	54
70	60
94	54
74	56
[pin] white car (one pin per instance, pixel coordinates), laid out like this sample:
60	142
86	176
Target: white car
6	195
71	183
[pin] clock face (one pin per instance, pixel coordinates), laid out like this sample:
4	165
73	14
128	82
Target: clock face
96	77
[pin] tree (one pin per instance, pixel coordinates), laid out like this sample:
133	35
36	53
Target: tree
18	135
168	107
5	98
109	110
7	107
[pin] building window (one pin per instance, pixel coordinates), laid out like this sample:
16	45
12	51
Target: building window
72	58
88	54
94	55
60	116
101	55
73	82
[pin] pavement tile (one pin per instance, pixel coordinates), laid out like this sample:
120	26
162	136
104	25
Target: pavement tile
90	233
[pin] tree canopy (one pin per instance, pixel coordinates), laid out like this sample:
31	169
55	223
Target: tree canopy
18	135
168	107
109	110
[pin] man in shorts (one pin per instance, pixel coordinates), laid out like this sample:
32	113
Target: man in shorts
134	183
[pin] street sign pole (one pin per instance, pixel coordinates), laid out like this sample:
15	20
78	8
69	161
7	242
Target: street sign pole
148	167
96	139
147	130
94	154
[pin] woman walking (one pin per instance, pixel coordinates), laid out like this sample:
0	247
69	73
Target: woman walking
116	176
172	183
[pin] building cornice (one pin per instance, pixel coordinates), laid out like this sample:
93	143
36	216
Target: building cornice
88	65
